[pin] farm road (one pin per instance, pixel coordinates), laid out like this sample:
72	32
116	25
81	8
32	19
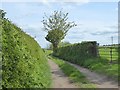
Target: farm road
59	78
99	80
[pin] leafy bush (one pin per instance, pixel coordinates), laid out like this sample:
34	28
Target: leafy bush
77	53
24	64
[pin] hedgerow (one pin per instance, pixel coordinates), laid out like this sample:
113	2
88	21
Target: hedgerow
77	53
24	64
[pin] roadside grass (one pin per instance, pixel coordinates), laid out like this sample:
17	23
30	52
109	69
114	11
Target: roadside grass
102	66
74	75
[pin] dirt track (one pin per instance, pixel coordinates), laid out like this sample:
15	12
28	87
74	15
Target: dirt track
58	77
99	80
62	81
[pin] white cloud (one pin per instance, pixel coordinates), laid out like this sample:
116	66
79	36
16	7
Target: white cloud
104	0
79	1
89	30
45	1
116	9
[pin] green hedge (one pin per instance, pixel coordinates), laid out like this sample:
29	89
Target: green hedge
77	53
24	64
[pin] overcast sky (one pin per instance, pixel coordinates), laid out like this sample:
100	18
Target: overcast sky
96	21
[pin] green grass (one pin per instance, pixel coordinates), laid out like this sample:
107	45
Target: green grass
0	54
24	62
102	66
0	69
74	75
48	52
105	53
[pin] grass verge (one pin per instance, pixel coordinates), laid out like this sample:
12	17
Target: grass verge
101	66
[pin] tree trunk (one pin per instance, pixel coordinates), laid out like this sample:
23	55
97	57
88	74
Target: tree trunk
55	46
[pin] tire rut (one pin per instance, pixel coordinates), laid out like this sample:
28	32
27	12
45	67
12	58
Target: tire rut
99	80
60	80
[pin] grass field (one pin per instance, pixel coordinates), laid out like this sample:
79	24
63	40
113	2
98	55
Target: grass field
105	53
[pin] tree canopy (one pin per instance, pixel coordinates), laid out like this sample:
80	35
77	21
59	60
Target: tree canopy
57	27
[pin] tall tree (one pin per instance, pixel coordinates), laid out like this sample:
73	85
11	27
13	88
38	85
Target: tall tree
57	27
